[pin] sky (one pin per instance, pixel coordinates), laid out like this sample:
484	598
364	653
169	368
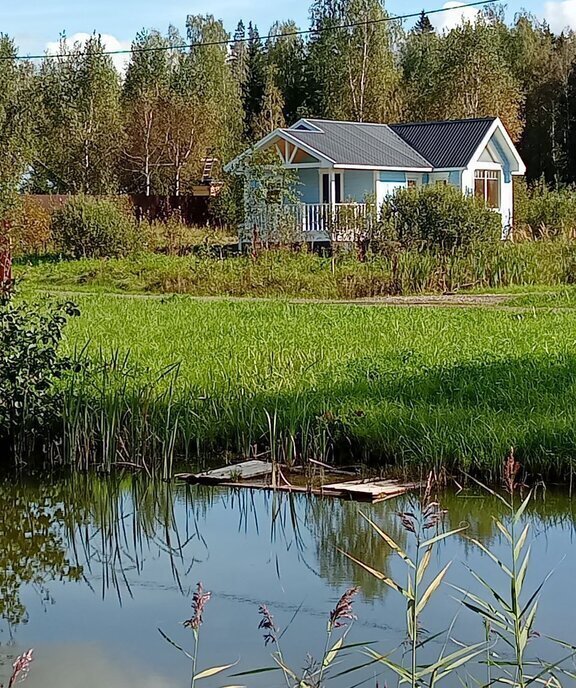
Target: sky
37	24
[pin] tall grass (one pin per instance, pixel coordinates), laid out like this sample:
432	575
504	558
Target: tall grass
410	389
290	274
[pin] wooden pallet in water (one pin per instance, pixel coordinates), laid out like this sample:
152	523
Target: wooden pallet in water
257	475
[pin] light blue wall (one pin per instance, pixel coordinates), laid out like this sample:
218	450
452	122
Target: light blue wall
357	185
395	177
454	177
308	188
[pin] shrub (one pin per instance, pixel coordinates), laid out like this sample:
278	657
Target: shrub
436	217
30	366
31	233
541	212
88	227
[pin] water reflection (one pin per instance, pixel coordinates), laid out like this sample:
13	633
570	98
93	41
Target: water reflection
126	552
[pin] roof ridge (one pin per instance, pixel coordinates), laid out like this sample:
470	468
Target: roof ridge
443	121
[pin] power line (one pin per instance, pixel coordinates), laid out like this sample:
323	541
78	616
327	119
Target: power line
232	41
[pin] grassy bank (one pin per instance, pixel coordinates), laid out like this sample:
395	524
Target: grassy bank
413	388
288	274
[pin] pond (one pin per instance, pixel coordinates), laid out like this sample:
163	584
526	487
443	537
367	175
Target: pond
92	567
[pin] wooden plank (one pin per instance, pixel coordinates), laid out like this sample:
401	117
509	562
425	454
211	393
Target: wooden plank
373	490
247	470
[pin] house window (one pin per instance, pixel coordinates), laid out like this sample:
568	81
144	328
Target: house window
411	183
487	187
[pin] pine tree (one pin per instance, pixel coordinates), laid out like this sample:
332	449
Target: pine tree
255	80
286	54
271	115
423	25
239	56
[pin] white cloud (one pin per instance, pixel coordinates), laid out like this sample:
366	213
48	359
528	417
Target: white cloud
110	43
560	15
457	14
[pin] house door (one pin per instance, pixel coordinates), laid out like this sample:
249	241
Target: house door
326	188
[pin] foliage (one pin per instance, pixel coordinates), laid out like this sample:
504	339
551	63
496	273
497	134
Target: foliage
438	217
79	123
17	113
31	232
88	227
174	237
543	213
422	521
352	72
30	366
299	274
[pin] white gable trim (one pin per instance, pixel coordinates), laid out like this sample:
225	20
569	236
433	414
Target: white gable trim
498	126
286	136
309	126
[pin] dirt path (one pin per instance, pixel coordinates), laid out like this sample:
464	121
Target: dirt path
439	300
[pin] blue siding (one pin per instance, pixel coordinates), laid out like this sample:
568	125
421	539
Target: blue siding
454	177
395	177
357	185
308	188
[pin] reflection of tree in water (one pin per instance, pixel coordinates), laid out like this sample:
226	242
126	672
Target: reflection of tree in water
33	548
339	525
108	526
105	526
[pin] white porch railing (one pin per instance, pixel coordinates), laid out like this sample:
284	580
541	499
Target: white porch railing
340	222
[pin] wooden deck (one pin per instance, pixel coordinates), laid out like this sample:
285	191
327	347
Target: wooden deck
259	475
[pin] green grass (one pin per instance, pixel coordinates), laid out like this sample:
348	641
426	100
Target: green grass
302	275
414	388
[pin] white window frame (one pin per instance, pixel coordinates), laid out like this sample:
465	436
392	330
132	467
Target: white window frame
486	173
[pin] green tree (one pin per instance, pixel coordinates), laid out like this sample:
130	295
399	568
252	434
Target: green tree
423	25
421	70
353	72
239	56
271	115
17	115
253	91
217	91
286	56
144	94
80	128
475	79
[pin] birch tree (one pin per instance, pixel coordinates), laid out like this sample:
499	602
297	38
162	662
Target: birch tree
353	70
17	115
144	94
80	124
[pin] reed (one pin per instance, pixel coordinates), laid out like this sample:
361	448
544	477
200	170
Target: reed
284	273
408	389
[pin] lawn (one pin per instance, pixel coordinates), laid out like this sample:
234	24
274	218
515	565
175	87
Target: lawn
410	387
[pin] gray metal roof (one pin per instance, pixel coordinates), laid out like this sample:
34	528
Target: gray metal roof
450	143
355	143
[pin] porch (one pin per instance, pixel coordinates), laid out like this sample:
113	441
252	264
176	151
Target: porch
310	222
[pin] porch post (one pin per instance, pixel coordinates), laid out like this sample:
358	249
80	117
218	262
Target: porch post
332	188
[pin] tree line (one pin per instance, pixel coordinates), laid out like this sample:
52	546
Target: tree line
74	124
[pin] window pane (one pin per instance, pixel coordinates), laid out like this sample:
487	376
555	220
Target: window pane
479	188
492	194
411	183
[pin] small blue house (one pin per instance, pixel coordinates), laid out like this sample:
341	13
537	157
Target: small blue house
343	164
